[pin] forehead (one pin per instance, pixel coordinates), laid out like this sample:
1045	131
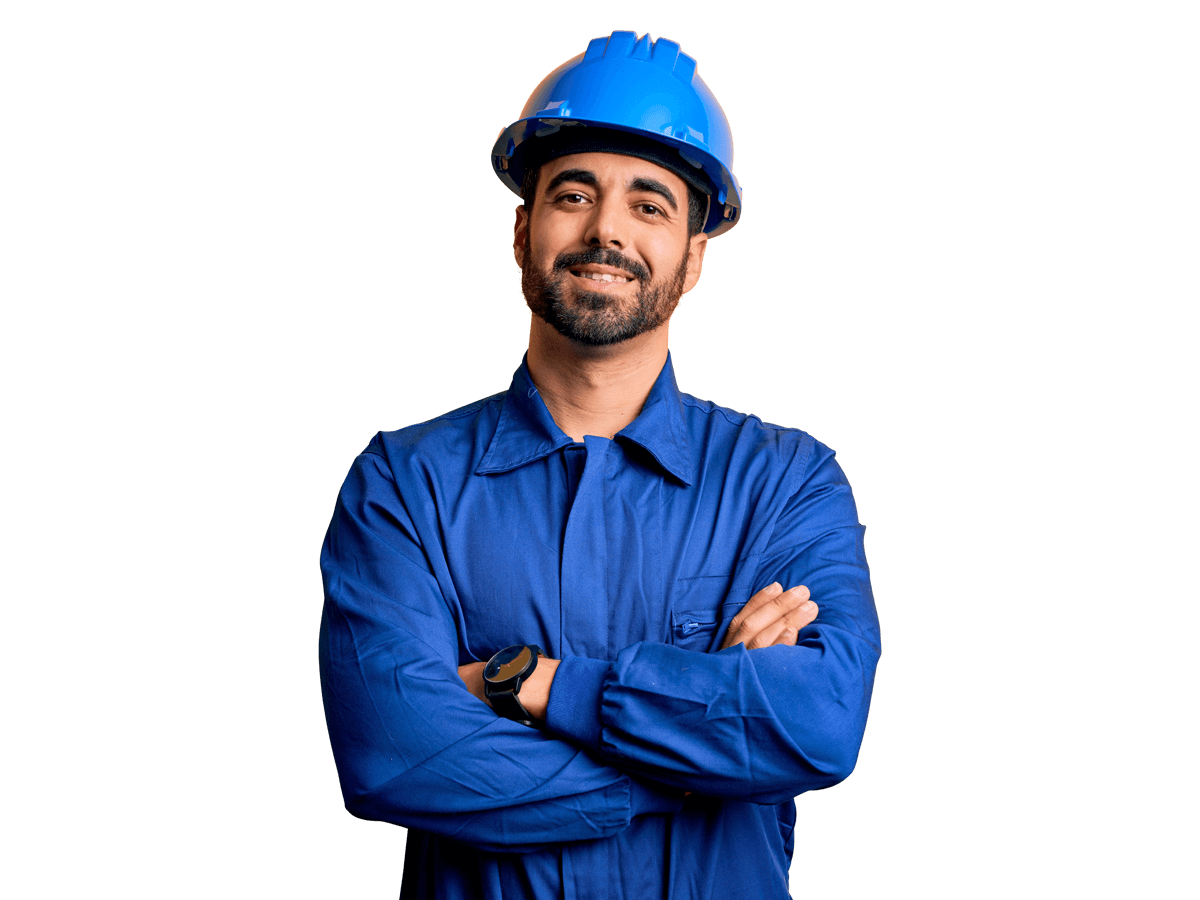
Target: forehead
614	170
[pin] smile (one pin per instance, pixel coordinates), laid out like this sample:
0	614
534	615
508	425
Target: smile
601	276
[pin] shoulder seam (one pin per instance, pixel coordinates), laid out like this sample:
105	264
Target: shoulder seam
708	407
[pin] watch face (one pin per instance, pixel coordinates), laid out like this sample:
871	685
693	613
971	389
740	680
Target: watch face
508	663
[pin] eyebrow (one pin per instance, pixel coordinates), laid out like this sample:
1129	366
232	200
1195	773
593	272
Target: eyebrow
652	186
579	176
587	177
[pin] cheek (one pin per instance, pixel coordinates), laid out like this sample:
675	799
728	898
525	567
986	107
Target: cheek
663	256
543	245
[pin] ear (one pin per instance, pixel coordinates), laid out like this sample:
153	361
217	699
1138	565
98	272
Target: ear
697	244
520	236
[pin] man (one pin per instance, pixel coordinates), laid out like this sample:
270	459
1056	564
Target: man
557	644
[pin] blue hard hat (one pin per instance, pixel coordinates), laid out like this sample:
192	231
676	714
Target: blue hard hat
647	88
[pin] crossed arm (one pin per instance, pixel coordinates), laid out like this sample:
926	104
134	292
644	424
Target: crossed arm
757	726
770	618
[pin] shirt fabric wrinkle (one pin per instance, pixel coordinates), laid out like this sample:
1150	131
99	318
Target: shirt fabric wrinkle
625	559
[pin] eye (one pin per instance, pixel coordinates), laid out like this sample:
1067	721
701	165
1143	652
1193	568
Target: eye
572	198
649	209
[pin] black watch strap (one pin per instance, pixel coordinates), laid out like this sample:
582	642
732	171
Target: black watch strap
507	704
503	676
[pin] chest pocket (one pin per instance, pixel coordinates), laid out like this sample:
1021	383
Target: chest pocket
701	608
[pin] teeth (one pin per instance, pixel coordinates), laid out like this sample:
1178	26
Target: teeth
597	276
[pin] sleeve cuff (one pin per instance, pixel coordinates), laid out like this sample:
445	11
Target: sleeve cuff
574	707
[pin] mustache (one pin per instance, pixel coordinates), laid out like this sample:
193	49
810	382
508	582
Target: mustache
597	256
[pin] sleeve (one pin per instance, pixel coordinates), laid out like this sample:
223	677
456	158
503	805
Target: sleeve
757	725
412	745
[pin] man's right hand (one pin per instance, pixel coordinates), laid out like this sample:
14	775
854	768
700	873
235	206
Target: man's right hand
772	616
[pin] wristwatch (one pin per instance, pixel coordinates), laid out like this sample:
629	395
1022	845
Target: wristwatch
502	679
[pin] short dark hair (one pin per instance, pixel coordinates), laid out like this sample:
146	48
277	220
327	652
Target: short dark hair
697	201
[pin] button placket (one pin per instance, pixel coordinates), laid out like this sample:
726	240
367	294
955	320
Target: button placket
583	577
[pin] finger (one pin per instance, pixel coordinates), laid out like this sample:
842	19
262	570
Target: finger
793	622
803	615
768	610
775	633
783	631
767	594
782	611
737	624
765	607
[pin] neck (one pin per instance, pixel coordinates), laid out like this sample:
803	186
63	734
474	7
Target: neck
594	390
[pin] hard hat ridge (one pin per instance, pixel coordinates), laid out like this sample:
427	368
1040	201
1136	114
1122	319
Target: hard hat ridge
663	52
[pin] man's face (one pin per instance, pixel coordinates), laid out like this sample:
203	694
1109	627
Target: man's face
604	249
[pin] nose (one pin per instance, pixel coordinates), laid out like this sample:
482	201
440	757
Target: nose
605	227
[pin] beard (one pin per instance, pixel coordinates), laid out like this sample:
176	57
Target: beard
598	319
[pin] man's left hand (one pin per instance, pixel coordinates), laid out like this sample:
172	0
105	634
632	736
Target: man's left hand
772	616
